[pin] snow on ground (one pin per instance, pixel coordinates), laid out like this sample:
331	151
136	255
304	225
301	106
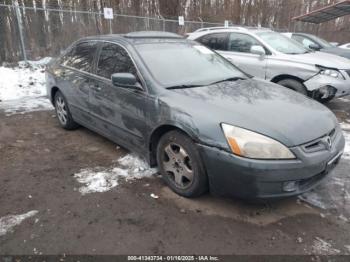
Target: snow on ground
22	88
104	179
9	222
346	154
322	247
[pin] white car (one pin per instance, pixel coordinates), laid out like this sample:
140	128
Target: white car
272	56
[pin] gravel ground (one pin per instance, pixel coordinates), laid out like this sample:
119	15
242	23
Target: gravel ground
49	204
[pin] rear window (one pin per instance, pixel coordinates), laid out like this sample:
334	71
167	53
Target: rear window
81	56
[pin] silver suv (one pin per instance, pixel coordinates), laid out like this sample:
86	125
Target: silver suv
269	55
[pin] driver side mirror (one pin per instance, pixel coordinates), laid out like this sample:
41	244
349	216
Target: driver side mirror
126	80
257	50
314	47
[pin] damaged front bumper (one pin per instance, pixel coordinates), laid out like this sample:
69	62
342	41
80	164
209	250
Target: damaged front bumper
325	87
234	176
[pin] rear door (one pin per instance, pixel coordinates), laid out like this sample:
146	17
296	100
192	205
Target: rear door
120	113
75	75
238	51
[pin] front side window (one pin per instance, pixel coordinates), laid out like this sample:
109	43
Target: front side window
282	43
81	56
215	41
323	43
114	59
241	43
183	63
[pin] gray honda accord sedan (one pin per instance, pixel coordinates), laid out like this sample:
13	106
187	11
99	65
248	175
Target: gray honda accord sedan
206	124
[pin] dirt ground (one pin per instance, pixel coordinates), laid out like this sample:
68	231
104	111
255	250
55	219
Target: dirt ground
38	161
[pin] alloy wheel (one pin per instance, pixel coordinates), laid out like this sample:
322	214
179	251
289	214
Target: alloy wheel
61	110
177	165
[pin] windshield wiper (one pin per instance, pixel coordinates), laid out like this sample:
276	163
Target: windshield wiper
183	86
229	79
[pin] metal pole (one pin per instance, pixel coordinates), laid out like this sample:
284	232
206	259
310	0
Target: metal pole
110	26
161	17
202	23
20	28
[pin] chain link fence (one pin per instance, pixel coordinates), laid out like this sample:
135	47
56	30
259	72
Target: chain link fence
29	33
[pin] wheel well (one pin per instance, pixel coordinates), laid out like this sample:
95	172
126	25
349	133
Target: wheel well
53	93
155	137
276	79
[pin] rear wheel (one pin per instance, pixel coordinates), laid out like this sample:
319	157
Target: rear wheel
294	85
180	165
63	114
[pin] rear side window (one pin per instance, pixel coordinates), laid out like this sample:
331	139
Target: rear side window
81	56
241	43
215	41
114	59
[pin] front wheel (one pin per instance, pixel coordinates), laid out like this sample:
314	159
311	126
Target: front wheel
180	164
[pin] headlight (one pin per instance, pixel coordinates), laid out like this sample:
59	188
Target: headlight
331	72
249	144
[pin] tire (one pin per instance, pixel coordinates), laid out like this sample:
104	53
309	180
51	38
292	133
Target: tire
180	165
63	114
294	85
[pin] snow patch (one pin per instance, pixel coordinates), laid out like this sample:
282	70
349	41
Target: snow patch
9	222
314	198
23	89
346	154
104	179
345	126
322	247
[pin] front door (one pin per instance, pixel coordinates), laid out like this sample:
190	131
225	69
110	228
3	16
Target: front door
120	113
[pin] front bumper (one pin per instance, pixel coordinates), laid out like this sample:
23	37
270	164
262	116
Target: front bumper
337	87
234	176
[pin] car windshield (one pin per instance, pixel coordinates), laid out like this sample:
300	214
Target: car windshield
322	42
282	43
186	64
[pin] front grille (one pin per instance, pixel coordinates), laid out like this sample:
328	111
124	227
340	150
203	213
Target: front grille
319	144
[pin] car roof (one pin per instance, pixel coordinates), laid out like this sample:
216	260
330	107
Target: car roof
238	29
304	34
133	37
232	28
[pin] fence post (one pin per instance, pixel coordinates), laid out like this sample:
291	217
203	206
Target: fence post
20	28
202	23
161	17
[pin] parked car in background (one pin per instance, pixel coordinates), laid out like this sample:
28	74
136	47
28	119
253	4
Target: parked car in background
345	46
206	124
318	44
272	56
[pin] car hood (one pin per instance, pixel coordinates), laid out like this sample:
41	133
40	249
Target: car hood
322	59
257	105
337	51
